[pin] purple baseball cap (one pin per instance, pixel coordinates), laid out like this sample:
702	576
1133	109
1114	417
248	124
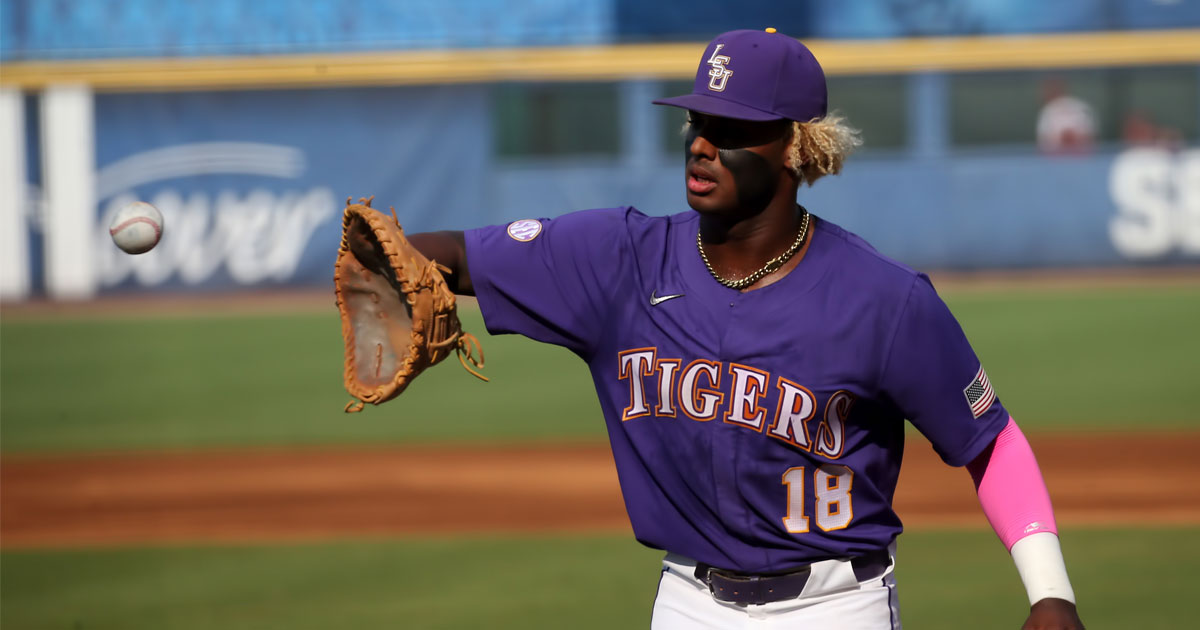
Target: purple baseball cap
756	75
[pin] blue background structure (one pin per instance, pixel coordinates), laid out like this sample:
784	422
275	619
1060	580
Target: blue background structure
63	29
433	152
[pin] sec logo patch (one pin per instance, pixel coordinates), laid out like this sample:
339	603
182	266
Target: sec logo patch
525	230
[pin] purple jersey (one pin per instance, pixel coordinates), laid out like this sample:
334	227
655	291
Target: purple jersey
751	431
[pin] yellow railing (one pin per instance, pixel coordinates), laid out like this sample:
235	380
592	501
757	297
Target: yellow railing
594	63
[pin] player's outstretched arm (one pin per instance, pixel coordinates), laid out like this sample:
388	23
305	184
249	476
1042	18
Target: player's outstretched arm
1015	500
447	248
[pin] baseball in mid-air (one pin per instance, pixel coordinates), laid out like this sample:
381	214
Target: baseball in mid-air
137	227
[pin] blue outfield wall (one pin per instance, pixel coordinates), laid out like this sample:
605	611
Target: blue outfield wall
1140	207
251	185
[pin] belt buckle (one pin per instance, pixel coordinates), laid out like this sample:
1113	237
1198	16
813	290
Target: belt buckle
706	577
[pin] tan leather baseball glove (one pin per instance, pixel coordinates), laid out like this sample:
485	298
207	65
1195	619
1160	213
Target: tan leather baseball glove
398	316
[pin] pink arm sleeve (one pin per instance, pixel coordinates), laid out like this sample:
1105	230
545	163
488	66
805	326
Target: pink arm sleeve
1011	489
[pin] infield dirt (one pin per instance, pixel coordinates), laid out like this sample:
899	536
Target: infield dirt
276	496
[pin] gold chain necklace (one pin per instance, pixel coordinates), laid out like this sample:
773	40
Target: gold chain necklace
772	265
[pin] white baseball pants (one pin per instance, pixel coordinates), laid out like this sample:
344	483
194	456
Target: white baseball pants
833	599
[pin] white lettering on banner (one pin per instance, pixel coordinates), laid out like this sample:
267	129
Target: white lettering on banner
1157	194
257	237
1187	185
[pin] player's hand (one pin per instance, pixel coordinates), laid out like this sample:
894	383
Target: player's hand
1053	614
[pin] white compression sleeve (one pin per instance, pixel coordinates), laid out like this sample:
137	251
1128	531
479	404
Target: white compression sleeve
1039	560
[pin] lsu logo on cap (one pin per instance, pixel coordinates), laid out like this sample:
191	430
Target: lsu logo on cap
524	230
719	73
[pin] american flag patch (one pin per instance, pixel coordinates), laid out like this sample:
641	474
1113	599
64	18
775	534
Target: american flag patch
979	394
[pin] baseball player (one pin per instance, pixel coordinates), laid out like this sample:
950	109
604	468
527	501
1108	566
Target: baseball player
755	364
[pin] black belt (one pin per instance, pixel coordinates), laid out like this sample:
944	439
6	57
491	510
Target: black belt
758	588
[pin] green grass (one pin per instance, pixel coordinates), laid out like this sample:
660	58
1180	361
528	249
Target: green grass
948	580
264	380
1108	358
596	583
1122	579
1111	358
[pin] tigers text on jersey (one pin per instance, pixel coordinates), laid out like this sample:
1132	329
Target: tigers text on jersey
751	431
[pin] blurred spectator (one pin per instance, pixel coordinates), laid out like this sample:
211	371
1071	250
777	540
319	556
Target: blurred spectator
1066	124
1139	129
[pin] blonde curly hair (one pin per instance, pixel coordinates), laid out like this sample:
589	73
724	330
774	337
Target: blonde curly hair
820	146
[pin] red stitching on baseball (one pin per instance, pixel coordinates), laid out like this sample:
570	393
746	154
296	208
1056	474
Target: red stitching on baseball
128	222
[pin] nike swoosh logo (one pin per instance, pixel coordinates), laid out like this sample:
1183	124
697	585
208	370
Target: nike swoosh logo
655	300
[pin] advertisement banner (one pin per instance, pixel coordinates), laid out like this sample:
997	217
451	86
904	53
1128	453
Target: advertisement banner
251	184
